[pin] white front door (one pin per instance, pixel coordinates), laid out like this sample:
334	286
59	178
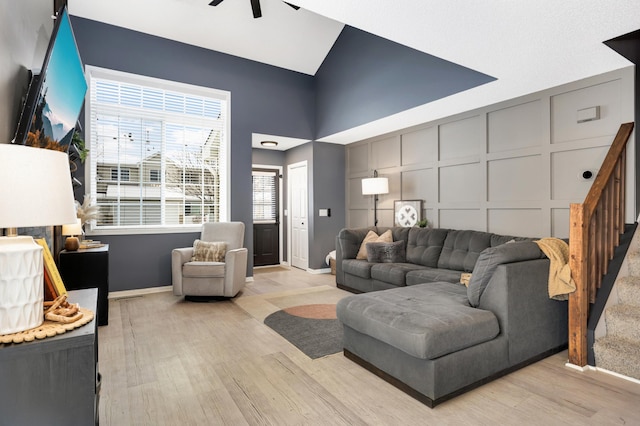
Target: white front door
298	215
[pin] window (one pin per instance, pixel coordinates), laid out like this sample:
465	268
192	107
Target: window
124	174
154	175
265	195
157	152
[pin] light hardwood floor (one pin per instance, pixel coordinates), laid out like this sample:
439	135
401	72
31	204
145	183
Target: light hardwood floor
169	362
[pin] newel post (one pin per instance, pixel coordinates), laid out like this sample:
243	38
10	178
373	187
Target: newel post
578	300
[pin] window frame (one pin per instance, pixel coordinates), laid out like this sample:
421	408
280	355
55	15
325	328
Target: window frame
225	190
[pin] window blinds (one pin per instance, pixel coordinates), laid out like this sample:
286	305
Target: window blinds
156	155
265	196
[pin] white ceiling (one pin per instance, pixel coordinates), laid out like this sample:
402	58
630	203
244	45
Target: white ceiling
293	39
527	45
284	143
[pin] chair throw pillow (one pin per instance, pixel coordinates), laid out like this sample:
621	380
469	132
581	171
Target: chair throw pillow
386	252
372	237
205	251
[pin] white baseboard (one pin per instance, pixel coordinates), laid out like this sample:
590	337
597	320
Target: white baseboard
618	375
142	291
138	292
319	271
602	370
577	367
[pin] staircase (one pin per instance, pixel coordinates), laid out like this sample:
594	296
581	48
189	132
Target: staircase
619	349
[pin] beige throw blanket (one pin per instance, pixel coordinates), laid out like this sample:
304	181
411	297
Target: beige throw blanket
560	281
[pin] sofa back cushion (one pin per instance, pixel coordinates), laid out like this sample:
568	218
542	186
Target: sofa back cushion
399	233
489	260
462	248
425	245
497	240
349	241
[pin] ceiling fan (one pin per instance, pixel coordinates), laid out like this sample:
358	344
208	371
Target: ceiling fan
255	6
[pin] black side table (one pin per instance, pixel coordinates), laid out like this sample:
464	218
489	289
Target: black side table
53	381
88	268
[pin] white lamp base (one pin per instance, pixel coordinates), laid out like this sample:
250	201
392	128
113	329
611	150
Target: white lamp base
21	284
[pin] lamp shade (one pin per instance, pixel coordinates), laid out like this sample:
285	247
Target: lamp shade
72	228
35	187
36	190
374	186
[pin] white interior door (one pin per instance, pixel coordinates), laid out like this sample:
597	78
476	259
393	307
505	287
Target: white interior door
298	215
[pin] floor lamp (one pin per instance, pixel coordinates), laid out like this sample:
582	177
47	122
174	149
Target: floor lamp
375	186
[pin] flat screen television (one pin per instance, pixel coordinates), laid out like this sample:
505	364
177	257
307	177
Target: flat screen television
55	96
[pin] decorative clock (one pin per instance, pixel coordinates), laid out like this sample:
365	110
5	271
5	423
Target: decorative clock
407	213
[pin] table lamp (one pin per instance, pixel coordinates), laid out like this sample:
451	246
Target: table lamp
72	230
36	190
375	186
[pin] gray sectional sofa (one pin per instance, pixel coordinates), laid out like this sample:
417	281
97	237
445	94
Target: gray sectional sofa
417	327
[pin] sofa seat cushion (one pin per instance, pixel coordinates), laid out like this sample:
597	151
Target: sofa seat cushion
203	269
359	268
431	275
393	273
426	321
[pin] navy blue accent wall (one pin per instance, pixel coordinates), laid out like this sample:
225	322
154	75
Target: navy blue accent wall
264	99
268	157
141	261
365	77
328	192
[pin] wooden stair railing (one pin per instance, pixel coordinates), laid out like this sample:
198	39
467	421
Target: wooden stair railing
595	229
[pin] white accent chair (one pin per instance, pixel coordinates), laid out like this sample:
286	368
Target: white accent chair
199	281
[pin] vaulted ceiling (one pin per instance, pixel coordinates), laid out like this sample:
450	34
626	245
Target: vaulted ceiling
527	45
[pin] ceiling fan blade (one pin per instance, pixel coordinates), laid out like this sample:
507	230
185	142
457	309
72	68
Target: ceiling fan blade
215	2
255	7
292	5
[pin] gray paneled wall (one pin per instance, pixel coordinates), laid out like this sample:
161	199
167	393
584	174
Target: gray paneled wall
510	168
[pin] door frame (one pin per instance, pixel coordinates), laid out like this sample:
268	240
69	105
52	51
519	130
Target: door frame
289	224
280	206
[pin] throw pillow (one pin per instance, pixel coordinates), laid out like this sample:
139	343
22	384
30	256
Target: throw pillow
372	237
386	252
205	251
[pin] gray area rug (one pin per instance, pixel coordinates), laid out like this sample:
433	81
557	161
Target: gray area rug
314	337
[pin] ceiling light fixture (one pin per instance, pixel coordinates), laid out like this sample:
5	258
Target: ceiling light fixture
255	7
269	144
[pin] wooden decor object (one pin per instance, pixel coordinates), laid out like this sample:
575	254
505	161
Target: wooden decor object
47	329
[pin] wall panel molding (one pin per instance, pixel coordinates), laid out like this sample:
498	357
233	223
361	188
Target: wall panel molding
508	168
